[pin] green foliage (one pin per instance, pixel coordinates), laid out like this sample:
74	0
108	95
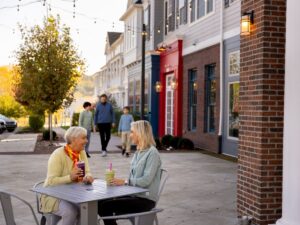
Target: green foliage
175	142
36	122
166	140
48	67
186	143
75	119
46	135
118	114
10	108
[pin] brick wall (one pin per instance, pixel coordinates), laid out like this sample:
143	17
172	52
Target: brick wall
261	112
198	60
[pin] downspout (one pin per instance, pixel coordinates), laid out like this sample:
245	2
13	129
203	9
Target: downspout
221	78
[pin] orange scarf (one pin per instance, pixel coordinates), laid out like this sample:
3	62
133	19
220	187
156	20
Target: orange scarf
73	155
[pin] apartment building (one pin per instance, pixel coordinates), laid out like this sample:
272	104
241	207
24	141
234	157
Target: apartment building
111	78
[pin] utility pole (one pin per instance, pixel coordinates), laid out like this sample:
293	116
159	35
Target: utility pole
144	33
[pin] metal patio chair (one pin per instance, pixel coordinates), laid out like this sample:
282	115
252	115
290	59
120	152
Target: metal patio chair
47	218
148	217
5	198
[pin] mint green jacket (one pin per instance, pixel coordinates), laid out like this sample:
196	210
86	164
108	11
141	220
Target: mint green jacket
145	172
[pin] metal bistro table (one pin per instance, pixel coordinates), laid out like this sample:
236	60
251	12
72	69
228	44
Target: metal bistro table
87	196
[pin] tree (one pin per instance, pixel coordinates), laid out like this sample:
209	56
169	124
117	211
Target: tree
10	108
8	105
48	66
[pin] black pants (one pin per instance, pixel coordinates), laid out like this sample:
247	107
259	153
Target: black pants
123	205
104	130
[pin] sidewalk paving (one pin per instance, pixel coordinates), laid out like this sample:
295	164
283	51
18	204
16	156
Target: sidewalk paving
18	143
201	189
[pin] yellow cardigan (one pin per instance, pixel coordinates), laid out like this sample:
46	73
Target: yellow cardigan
59	169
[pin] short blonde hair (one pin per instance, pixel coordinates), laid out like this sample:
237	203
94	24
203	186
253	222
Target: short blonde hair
73	133
143	130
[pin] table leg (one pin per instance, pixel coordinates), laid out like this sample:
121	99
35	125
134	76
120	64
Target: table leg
89	213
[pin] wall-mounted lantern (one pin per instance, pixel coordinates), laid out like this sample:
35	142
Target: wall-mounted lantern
246	22
158	86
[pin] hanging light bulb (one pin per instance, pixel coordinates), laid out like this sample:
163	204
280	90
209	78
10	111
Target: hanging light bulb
18	8
158	30
44	3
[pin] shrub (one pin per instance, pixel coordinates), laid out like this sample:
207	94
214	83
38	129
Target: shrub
118	114
186	143
158	143
36	122
166	140
75	119
175	142
46	135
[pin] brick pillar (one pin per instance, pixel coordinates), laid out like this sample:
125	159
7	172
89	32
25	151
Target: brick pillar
261	112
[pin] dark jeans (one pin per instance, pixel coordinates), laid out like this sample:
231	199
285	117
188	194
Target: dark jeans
104	130
123	205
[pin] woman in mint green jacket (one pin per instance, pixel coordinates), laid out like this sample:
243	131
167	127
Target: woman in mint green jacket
144	172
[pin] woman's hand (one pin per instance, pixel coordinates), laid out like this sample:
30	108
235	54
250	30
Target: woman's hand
117	182
75	173
88	180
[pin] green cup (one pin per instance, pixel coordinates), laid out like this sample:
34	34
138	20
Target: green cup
109	175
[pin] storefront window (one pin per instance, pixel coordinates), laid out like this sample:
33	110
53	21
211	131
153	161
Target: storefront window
137	95
233	110
131	93
192	100
210	96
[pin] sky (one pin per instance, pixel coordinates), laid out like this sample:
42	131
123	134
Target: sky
93	19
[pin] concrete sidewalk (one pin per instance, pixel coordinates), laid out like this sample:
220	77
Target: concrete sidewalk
18	143
201	189
95	144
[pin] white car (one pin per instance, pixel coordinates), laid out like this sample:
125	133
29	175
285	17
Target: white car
2	126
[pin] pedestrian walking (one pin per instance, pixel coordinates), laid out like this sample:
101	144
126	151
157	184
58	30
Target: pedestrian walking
86	121
124	130
105	120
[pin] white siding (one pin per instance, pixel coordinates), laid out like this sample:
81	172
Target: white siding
232	16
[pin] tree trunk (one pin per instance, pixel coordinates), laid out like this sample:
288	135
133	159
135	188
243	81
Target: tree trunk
50	128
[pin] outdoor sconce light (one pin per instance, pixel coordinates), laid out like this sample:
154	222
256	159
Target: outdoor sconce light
174	83
158	86
246	22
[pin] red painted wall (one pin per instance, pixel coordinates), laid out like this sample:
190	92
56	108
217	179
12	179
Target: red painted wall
171	62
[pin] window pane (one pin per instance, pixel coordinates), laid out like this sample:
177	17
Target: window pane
234	63
192	10
233	110
200	8
210	96
192	100
209	6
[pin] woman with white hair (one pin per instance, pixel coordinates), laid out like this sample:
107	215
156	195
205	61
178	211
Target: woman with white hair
144	172
62	169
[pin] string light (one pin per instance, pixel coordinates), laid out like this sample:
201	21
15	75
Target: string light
134	30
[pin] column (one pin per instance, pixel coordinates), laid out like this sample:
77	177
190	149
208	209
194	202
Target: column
291	145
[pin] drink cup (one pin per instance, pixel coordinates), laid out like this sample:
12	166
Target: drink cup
81	165
109	175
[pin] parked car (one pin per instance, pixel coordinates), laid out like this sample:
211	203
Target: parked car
11	124
2	126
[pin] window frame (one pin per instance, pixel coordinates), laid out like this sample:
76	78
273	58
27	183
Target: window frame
194	12
192	99
208	79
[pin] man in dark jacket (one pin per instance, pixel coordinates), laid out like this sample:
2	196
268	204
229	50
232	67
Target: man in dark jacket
104	120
